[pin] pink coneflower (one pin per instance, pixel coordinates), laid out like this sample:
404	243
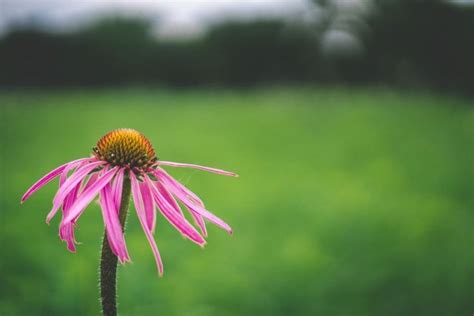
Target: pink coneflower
122	159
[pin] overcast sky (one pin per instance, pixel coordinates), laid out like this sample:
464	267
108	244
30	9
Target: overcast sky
170	17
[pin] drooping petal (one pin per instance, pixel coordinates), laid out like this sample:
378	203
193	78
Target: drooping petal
92	179
88	183
66	232
204	168
168	197
178	221
73	165
199	221
148	205
74	179
162	174
46	179
171	200
71	196
112	224
139	207
89	194
63	178
69	184
176	190
117	188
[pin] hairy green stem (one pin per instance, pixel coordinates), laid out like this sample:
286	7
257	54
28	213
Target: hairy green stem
108	260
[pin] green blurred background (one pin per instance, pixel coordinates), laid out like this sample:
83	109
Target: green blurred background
349	202
350	123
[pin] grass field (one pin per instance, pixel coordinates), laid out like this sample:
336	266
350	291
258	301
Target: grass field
349	202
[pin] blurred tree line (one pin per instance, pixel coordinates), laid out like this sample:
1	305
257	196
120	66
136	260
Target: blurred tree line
427	44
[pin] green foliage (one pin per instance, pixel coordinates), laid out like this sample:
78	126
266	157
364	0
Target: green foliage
417	44
349	202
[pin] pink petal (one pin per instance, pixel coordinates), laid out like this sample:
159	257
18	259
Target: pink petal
193	198
139	207
176	190
66	233
93	178
188	165
71	166
179	222
75	178
62	179
170	199
199	221
112	224
69	199
46	179
148	205
89	194
69	184
117	188
160	173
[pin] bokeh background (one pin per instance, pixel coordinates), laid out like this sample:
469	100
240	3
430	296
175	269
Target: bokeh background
350	122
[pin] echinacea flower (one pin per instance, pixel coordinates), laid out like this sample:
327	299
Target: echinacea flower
126	155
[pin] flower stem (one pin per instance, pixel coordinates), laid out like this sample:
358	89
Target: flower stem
108	260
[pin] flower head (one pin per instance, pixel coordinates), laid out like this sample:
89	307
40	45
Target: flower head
126	155
125	148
